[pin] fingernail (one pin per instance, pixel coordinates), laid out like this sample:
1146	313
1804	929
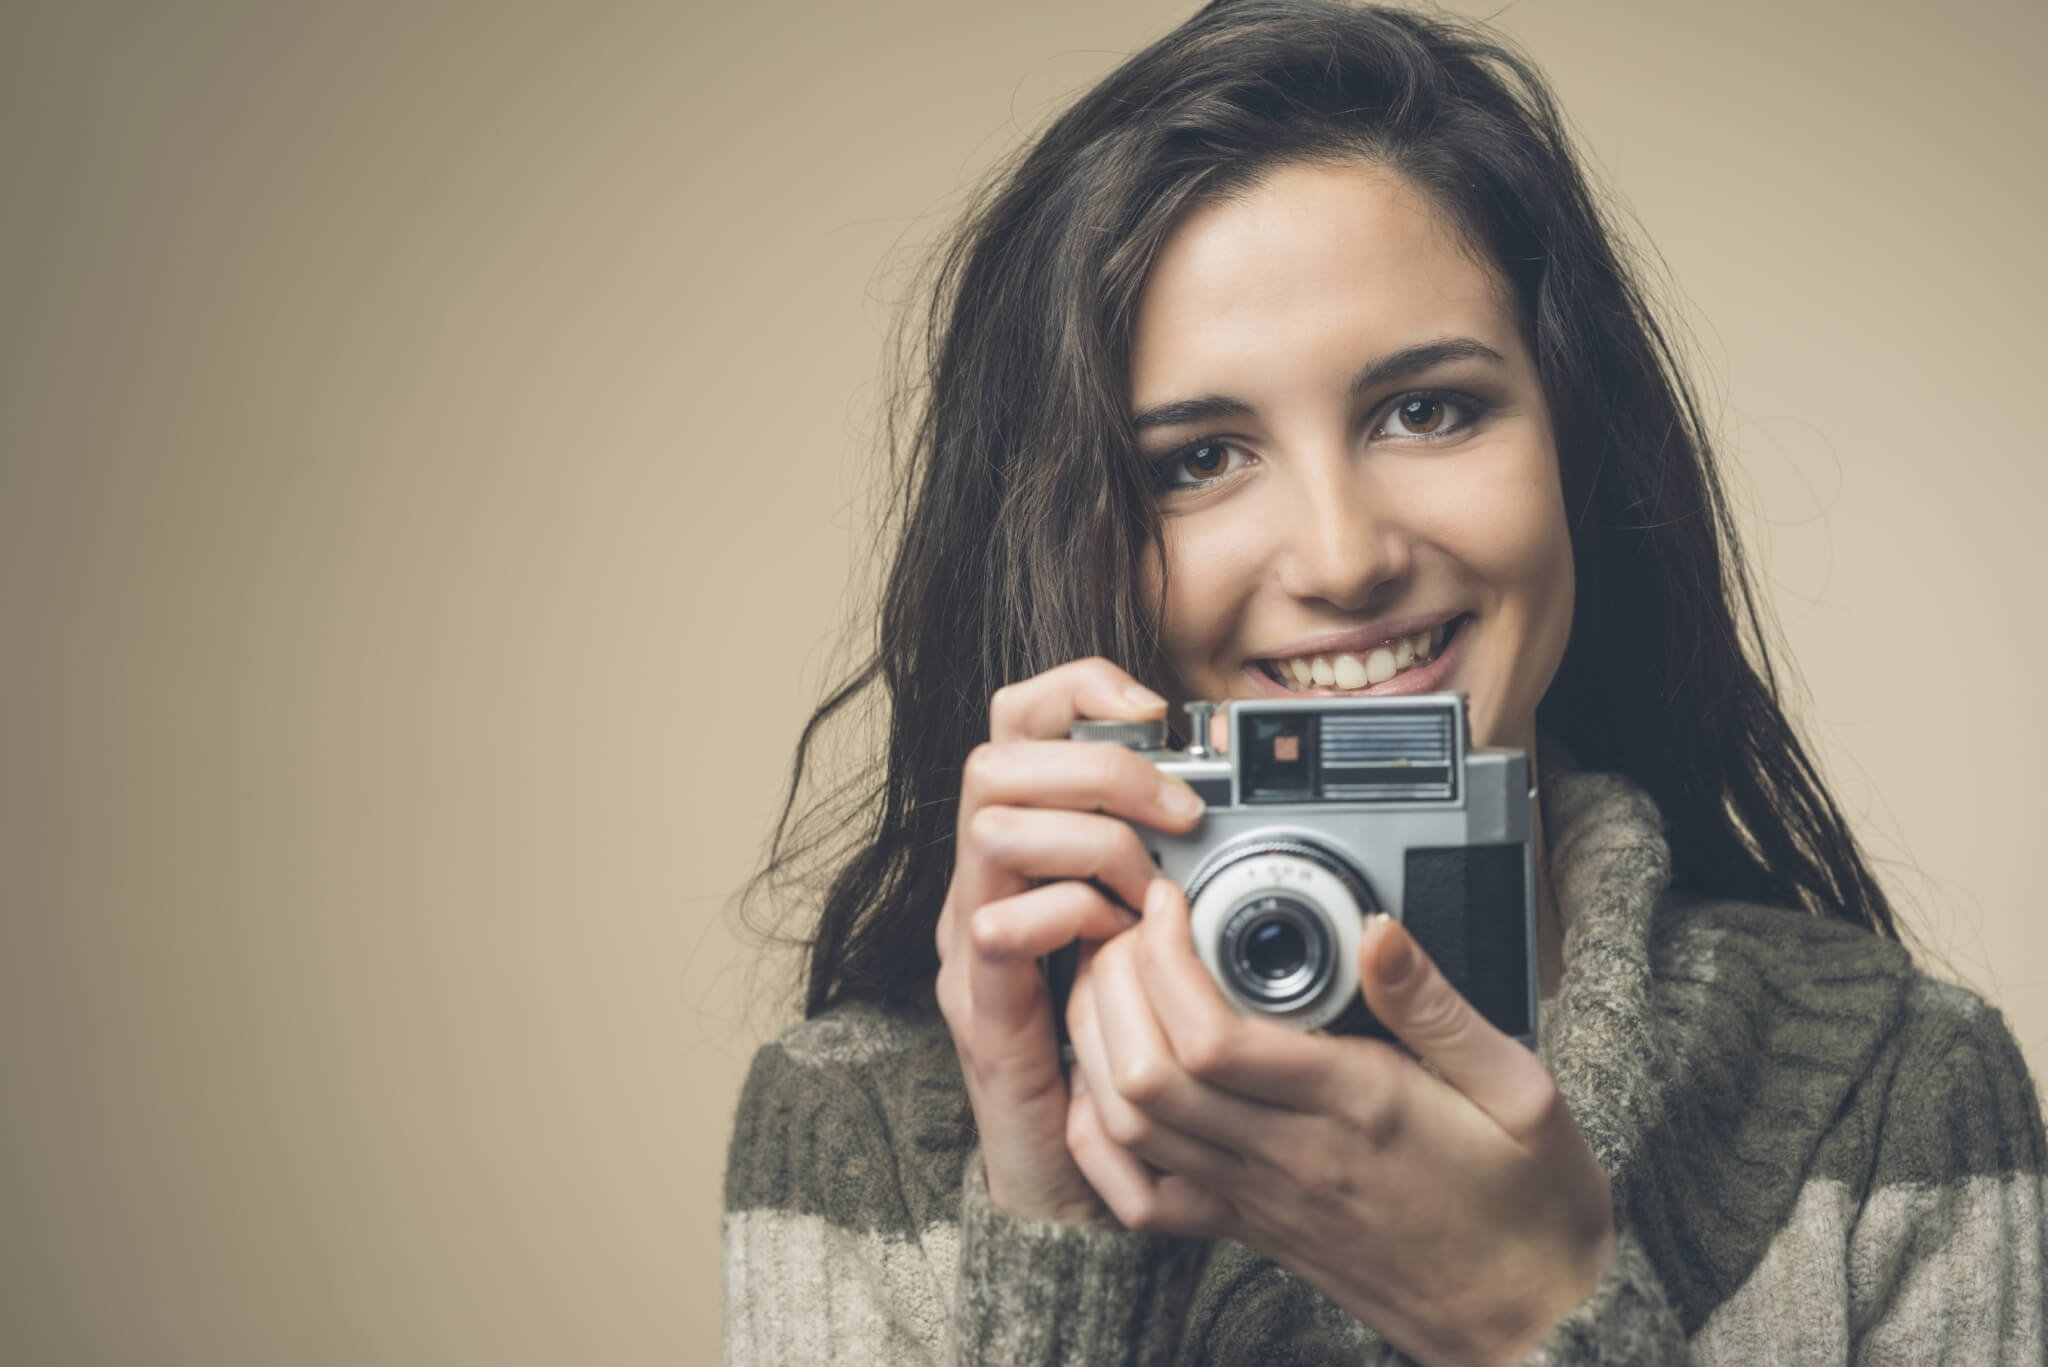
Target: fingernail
1143	697
1180	799
1394	955
1156	894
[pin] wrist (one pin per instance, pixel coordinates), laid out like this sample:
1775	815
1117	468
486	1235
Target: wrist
1066	1202
1582	1276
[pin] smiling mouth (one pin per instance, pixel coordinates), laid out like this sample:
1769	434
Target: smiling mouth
1363	669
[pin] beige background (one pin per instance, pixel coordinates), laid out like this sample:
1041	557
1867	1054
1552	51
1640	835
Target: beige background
431	458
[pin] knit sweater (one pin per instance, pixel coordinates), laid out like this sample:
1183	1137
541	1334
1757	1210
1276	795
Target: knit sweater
1817	1155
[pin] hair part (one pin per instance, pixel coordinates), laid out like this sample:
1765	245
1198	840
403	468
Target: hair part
1023	518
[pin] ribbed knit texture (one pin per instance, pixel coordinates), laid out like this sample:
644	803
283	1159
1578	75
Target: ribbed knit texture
1035	1291
1817	1155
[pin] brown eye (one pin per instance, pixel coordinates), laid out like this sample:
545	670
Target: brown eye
1431	415
1199	464
1422	415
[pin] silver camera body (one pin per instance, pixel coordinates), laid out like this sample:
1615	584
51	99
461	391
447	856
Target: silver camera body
1326	810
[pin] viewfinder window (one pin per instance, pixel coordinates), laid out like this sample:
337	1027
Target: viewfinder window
1278	757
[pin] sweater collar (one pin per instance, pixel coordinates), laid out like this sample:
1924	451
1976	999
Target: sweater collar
1609	866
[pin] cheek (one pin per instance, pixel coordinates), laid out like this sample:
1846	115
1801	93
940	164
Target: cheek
1514	536
1537	561
1212	564
1514	540
1551	578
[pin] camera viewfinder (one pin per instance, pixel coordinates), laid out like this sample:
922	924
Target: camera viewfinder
1279	760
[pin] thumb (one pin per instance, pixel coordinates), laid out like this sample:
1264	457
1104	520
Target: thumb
1411	997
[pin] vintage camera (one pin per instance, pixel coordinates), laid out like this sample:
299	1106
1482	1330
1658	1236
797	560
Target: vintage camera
1326	810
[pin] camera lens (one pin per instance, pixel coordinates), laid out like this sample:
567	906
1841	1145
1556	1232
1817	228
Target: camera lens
1276	950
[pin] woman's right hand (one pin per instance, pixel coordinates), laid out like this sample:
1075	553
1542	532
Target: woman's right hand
1042	833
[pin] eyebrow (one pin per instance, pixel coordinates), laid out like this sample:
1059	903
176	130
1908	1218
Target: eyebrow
1395	365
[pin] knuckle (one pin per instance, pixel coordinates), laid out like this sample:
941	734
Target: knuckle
986	829
1204	1051
1437	1012
1007	707
988	933
1129	1128
1382	1126
1080	1134
1370	1108
1144	1081
1140	1211
982	769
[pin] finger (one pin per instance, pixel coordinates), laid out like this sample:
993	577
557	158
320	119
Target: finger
1045	705
1033	924
1003	849
1149	1078
1141	1199
1252	1057
1412	998
1061	774
1158	1144
1008	937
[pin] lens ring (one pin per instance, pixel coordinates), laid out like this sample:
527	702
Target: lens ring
1236	853
1276	948
1285	862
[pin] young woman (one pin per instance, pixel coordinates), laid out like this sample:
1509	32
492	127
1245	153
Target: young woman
1295	359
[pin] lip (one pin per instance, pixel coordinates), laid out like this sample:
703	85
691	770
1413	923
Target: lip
1427	678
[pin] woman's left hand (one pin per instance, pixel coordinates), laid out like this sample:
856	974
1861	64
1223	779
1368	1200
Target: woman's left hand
1455	1208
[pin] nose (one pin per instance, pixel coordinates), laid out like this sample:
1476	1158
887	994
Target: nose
1346	543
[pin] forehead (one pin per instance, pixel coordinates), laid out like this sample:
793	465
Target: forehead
1315	265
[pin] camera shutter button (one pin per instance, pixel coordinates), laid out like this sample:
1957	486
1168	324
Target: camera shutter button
1136	735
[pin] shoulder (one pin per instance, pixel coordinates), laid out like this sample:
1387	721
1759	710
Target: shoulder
1952	1099
1807	1065
1772	983
856	1115
856	1036
1829	1028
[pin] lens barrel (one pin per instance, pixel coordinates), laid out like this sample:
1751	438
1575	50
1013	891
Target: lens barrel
1277	950
1276	918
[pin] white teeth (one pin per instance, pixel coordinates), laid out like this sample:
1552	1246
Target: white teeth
1352	671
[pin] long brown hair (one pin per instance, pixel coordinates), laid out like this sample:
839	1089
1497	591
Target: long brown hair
1021	513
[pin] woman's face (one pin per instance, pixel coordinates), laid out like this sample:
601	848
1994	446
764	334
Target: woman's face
1357	475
